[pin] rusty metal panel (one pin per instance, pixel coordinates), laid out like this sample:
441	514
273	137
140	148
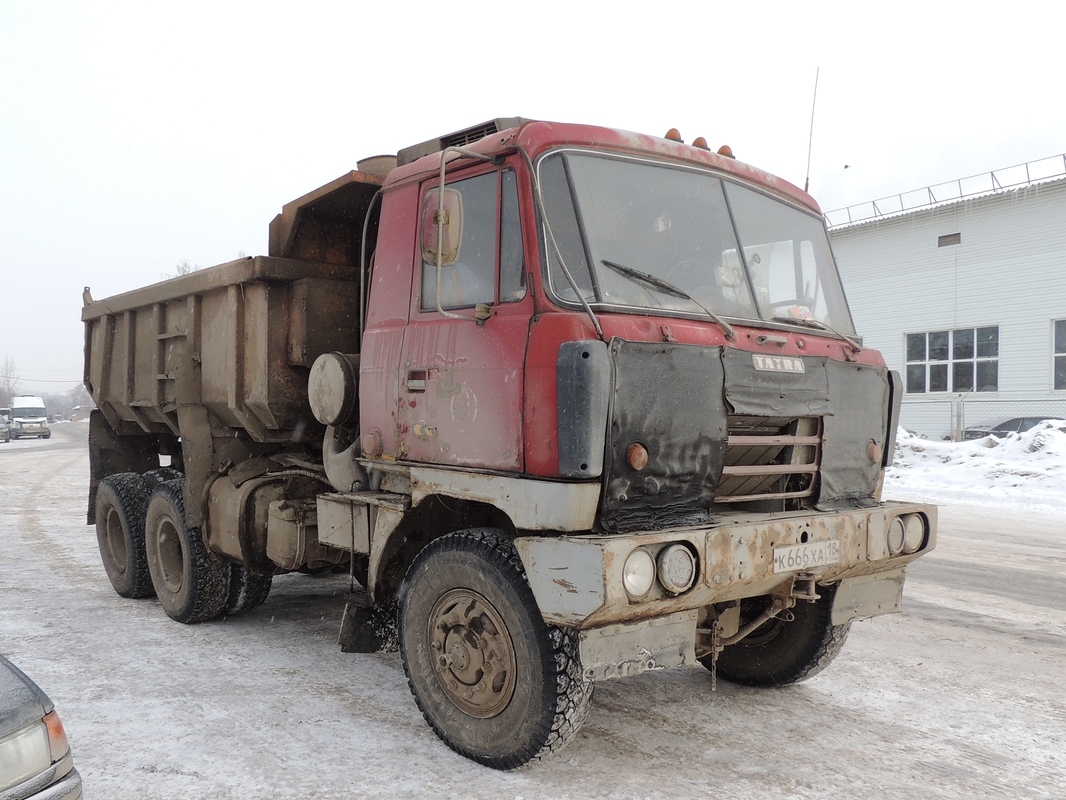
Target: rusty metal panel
343	523
326	224
567	577
531	504
868	596
629	648
736	561
324	318
223	337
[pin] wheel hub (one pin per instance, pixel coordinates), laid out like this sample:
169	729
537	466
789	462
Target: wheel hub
171	556
473	652
116	540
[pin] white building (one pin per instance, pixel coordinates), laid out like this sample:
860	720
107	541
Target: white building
966	297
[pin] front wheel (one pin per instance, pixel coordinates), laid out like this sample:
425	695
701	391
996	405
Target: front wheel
193	584
783	651
493	680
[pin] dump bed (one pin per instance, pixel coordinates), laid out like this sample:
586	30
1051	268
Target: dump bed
237	339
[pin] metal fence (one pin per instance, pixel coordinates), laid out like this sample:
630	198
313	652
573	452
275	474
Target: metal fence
986	183
946	416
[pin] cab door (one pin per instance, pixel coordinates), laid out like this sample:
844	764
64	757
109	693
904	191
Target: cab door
461	377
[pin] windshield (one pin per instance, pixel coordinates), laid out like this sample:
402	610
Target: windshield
27	412
636	234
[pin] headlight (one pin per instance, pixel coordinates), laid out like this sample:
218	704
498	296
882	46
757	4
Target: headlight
897	533
23	755
638	573
915	533
677	568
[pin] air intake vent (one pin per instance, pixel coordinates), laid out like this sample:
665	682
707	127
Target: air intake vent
461	138
770	458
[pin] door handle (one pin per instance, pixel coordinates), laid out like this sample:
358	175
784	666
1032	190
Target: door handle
416	380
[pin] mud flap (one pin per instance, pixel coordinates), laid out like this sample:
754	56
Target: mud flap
368	630
629	648
868	596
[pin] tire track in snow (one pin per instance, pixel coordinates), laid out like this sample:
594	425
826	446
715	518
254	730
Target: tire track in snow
49	490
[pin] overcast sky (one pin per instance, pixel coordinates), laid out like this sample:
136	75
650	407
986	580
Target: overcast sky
134	136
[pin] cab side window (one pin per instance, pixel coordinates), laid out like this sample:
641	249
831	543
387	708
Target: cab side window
490	246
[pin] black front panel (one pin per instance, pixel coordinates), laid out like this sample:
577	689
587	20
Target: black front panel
668	398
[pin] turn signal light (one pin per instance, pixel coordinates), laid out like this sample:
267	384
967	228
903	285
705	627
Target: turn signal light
636	456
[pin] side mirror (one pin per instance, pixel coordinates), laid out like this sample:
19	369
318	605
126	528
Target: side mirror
442	227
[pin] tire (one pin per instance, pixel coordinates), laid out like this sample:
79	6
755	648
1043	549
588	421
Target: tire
247	591
121	502
192	583
466	598
783	652
154	477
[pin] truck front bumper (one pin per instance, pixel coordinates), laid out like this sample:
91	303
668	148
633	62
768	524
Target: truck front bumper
578	579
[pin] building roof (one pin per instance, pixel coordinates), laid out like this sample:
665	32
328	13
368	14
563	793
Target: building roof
1000	181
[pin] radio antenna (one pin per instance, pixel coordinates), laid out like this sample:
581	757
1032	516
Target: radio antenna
810	140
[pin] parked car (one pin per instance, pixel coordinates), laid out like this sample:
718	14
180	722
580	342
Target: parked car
1015	425
35	758
5	429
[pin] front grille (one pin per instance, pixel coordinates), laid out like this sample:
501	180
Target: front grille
770	458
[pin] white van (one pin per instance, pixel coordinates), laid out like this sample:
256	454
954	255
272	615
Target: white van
28	417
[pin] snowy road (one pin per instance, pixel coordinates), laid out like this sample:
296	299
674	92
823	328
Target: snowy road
959	697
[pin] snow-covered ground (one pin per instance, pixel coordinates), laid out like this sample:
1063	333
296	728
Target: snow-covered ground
1021	471
961	696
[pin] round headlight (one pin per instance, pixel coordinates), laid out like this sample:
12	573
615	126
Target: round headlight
896	535
638	574
915	533
677	568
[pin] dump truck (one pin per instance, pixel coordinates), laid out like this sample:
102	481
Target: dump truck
567	403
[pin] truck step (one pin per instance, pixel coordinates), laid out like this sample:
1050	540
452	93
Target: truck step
397	502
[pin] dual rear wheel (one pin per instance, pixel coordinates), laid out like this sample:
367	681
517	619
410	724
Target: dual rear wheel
147	548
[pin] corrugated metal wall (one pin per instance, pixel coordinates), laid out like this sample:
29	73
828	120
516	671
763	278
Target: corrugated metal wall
1009	270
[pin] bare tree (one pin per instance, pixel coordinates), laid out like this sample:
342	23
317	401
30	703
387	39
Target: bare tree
183	267
9	381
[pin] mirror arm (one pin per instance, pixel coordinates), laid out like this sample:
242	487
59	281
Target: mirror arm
479	316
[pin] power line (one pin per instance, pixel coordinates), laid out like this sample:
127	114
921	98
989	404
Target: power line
39	380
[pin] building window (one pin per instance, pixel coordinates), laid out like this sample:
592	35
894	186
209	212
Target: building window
962	360
1060	354
948	239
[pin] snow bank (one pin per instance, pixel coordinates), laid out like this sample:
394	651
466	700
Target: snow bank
1026	470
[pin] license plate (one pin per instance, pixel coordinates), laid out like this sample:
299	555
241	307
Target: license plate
806	556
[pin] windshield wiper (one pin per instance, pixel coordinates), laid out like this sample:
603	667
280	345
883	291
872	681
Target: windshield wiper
817	323
669	288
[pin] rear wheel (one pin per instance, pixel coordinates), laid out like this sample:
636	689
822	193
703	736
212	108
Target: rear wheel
121	501
192	583
783	651
493	680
